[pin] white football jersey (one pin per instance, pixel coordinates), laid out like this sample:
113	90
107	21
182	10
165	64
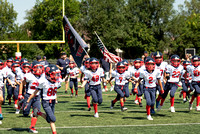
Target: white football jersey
94	77
128	73
150	78
1	78
83	69
72	72
120	79
188	76
49	89
6	70
194	71
136	73
19	74
162	69
11	76
32	81
174	73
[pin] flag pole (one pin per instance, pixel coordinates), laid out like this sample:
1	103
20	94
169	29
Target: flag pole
100	39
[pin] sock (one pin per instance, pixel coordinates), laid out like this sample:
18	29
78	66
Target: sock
95	108
88	101
191	101
15	102
162	101
198	100
152	107
76	92
159	98
139	99
0	111
148	109
72	91
172	101
10	100
55	132
115	100
184	94
136	98
105	87
33	122
122	104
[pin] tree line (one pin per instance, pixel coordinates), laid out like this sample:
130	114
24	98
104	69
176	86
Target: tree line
134	26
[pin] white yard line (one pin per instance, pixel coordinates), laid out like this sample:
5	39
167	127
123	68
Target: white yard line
110	126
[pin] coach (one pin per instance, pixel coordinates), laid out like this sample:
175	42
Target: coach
63	64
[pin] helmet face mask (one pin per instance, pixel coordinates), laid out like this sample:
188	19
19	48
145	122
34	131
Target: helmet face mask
71	65
52	73
137	64
87	64
158	60
150	66
175	62
26	68
195	63
38	70
14	66
9	63
121	68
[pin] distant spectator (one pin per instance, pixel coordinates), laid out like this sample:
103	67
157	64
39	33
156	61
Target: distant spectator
62	64
39	59
145	55
45	60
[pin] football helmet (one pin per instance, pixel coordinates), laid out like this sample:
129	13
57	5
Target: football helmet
86	63
137	63
186	63
121	68
23	60
175	60
150	64
37	68
72	64
126	63
94	63
26	67
9	62
158	57
1	64
195	60
52	73
14	66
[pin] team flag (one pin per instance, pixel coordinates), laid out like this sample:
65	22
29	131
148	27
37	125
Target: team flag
77	45
107	56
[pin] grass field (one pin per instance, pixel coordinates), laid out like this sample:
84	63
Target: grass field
72	117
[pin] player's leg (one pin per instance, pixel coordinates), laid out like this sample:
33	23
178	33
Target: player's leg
3	89
71	84
76	86
15	97
197	88
139	94
136	98
126	91
87	95
1	101
148	103
99	94
174	87
184	91
153	98
94	100
9	93
159	95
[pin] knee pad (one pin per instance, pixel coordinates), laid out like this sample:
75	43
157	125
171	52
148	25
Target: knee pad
51	119
100	101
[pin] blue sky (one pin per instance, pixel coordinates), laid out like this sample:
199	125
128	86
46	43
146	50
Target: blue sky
20	6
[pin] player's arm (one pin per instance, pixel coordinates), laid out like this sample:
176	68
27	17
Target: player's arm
110	80
32	95
136	86
161	87
9	81
83	84
81	77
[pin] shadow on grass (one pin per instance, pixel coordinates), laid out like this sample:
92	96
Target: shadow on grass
78	115
19	129
63	101
137	118
136	111
108	112
185	111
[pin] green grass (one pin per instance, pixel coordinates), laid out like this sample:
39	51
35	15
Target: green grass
72	115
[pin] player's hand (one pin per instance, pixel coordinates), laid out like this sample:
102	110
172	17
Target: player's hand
133	82
20	97
26	105
80	86
162	91
61	68
135	91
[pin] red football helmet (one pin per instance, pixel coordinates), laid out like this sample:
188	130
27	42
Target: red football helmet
37	68
87	63
121	68
137	63
9	62
94	63
158	57
26	68
175	60
72	64
1	64
195	60
150	64
126	63
14	66
52	73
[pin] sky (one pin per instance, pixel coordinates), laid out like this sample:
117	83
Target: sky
21	6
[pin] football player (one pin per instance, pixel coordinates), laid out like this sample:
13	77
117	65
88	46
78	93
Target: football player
94	75
120	75
135	73
48	85
173	72
1	88
83	68
73	73
31	79
150	75
194	70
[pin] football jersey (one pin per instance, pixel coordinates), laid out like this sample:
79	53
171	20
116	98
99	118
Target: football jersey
150	78
32	81
83	68
6	70
174	73
72	72
194	71
1	78
162	69
19	74
188	76
11	76
120	79
136	73
128	73
48	89
94	77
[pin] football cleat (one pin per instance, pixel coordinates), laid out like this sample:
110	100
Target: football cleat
66	91
71	95
16	106
184	100
33	130
0	122
172	109
198	108
149	117
103	90
159	108
180	95
17	111
136	102
123	109
9	103
111	88
152	111
96	115
89	109
76	95
112	105
140	104
1	117
190	106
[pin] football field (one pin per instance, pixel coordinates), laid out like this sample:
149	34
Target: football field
72	117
